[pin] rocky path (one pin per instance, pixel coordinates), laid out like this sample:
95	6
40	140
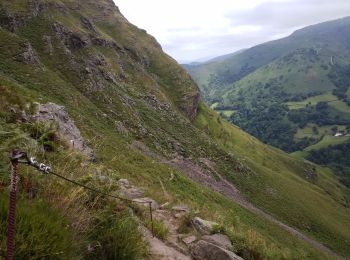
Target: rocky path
200	243
226	188
160	250
244	203
217	183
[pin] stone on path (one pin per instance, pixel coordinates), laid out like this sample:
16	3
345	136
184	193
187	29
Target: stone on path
203	250
203	226
219	240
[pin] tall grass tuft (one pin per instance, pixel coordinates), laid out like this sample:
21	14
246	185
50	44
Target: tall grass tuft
41	232
116	236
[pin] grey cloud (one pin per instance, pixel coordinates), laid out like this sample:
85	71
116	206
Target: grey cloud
292	14
275	19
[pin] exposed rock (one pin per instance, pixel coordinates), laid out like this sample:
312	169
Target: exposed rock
172	225
145	202
87	24
189	240
105	43
48	45
133	193
121	128
191	106
28	56
12	21
107	75
160	250
208	163
181	208
129	191
37	7
179	215
155	103
311	173
53	113
203	226
203	250
219	240
103	179
24	116
124	182
142	130
72	40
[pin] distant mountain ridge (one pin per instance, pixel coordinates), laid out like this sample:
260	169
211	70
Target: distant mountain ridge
235	67
290	92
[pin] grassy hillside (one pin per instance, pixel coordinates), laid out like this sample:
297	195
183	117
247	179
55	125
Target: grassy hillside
119	87
276	90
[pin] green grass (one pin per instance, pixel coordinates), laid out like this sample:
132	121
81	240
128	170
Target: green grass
271	188
327	97
324	134
268	177
41	232
227	113
299	154
214	105
322	130
340	106
328	140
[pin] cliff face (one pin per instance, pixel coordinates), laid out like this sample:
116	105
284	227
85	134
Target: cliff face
101	49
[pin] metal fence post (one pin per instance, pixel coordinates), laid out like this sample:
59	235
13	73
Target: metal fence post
12	207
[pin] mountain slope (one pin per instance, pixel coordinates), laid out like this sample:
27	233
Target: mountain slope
292	93
328	39
140	113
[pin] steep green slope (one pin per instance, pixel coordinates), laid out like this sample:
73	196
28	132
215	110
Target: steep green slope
279	90
124	93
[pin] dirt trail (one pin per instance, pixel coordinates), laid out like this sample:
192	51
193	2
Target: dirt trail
244	203
217	183
226	188
160	250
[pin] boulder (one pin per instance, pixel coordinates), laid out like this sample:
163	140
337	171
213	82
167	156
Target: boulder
219	240
124	182
189	240
203	250
129	191
181	208
132	193
145	202
203	226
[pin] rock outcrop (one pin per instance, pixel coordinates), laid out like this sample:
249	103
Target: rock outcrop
28	56
203	250
53	113
203	226
220	240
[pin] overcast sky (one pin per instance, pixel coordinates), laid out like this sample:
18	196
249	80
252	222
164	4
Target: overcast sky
196	30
